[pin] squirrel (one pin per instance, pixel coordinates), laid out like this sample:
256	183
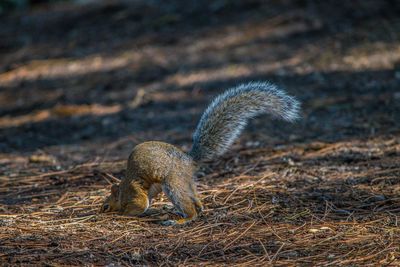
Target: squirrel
155	166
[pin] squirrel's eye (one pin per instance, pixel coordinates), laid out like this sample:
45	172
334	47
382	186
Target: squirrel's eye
106	207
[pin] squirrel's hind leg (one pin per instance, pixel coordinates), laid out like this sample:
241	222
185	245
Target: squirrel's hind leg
196	199
185	199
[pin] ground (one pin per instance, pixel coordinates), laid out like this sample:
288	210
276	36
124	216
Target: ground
82	84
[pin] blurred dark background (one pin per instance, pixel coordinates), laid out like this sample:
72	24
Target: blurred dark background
76	74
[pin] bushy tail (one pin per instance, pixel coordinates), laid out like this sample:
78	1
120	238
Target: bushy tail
228	113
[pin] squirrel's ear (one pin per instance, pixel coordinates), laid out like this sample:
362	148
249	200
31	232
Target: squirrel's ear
114	189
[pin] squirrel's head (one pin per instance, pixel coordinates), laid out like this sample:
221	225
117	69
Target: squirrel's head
132	202
112	203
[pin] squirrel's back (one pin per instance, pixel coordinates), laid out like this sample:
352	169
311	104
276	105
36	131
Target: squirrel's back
227	115
154	161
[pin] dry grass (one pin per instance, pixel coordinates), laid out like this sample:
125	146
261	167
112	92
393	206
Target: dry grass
317	203
81	84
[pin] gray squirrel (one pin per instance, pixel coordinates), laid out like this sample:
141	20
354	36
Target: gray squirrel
155	166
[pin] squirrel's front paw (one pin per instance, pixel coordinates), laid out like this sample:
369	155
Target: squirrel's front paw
169	222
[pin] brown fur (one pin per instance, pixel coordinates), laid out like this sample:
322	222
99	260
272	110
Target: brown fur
154	167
